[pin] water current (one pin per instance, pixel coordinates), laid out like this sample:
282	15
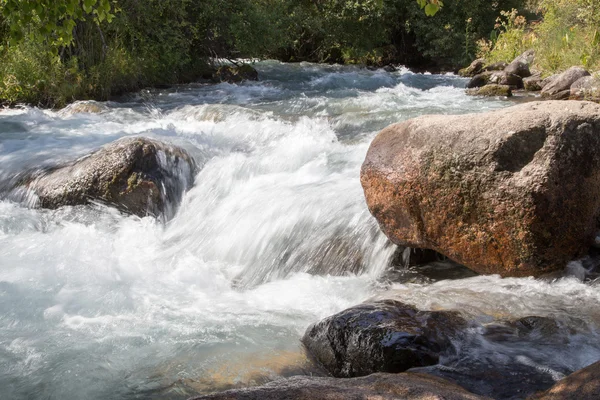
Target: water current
274	235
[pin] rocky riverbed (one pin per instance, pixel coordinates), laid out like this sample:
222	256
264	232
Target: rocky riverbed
211	237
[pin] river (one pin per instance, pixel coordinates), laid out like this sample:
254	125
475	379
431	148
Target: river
274	235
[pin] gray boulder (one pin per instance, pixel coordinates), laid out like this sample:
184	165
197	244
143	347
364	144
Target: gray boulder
513	192
479	80
473	69
533	83
559	88
137	175
491	90
580	385
518	68
506	79
382	336
586	88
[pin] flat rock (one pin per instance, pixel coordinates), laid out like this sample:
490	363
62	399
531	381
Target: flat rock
513	192
382	336
407	386
137	175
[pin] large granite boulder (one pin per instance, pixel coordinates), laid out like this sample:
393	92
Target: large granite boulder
408	386
514	192
580	385
480	80
137	175
559	87
505	78
518	68
382	336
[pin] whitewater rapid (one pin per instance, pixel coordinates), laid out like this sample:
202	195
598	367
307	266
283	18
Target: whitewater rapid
273	236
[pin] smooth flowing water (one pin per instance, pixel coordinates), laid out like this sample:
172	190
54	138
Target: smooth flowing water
274	235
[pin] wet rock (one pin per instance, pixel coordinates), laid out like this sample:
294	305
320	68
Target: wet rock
581	385
501	381
504	78
511	192
137	175
409	257
479	80
559	87
533	83
382	336
390	68
235	74
79	107
518	68
491	90
475	68
408	386
586	88
499	66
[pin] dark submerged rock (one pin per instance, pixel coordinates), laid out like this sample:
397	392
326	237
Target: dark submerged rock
382	336
408	386
559	87
511	192
137	175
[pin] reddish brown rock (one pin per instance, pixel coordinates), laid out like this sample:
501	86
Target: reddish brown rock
514	192
581	385
408	386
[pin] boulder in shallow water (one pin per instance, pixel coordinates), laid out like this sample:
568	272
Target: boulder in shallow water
473	69
382	336
491	90
581	385
586	88
408	386
559	87
505	78
86	107
137	175
235	74
514	192
479	80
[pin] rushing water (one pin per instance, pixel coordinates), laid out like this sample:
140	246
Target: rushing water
274	235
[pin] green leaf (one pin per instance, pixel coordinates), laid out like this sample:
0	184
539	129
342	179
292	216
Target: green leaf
431	9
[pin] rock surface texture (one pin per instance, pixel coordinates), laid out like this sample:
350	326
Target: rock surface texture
137	175
513	192
235	74
409	386
580	385
382	336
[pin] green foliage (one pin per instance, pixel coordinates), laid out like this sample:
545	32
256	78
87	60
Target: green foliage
568	35
51	21
54	51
